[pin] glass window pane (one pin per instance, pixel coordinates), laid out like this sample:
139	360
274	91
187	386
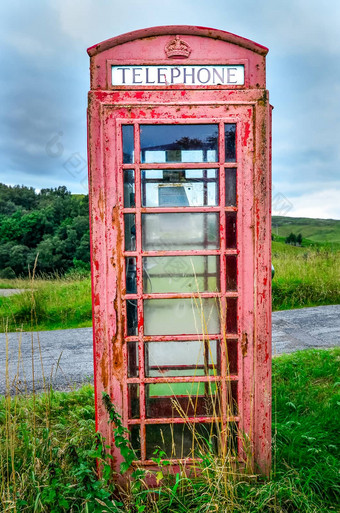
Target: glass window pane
230	230
231	272
180	188
230	142
131	317
129	188
131	278
231	357
130	232
230	187
180	440
133	400
132	354
231	315
169	400
181	274
232	408
179	143
180	231
182	358
128	144
181	316
135	439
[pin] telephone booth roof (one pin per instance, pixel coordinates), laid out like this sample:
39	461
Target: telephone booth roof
185	30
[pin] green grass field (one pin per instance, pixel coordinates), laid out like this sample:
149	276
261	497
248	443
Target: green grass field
315	230
305	276
48	450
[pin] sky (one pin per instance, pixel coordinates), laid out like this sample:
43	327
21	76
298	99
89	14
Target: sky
45	78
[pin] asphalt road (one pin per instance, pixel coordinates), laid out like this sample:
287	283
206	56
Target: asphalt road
65	358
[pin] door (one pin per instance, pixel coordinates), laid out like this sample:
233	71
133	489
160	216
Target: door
186	292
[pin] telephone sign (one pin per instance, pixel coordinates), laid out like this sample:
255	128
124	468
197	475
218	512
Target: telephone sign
180	190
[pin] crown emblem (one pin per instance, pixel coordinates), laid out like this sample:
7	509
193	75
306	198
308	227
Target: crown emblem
177	48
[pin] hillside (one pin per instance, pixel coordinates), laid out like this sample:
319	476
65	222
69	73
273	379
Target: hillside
316	230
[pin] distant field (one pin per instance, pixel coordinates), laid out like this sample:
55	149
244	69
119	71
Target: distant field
316	230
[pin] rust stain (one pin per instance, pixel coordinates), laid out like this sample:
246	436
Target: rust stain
244	344
103	367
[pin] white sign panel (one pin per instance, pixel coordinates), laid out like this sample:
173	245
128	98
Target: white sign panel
174	75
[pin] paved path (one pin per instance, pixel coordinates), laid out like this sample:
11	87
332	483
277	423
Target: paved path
66	355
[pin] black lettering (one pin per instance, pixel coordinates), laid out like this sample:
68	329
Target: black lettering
192	75
159	75
230	74
220	77
199	75
136	74
147	77
123	73
173	76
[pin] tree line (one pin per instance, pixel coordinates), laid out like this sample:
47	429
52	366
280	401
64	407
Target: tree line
52	223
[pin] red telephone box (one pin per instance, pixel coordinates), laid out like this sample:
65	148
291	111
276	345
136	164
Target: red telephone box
180	192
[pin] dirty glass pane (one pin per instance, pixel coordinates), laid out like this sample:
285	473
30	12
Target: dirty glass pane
131	317
132	354
181	316
130	232
169	400
129	188
230	230
180	187
230	142
135	439
133	400
182	358
230	187
181	274
128	144
231	272
180	231
231	357
232	408
231	315
131	278
180	440
179	143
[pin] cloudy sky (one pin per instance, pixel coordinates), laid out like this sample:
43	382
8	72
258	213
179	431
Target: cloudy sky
45	78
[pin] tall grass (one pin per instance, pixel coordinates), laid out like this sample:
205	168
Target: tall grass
48	449
305	277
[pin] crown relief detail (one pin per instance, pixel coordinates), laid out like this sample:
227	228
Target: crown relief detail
177	48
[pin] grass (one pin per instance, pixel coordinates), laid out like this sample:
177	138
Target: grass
304	277
48	449
58	303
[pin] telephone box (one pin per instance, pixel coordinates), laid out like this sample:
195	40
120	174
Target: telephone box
180	190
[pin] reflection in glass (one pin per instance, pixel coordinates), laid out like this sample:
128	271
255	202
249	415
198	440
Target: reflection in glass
180	187
231	357
182	358
230	187
128	144
230	142
132	354
180	231
179	143
135	439
130	232
131	317
168	400
231	272
131	277
231	315
230	230
181	274
133	400
181	440
129	188
181	316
